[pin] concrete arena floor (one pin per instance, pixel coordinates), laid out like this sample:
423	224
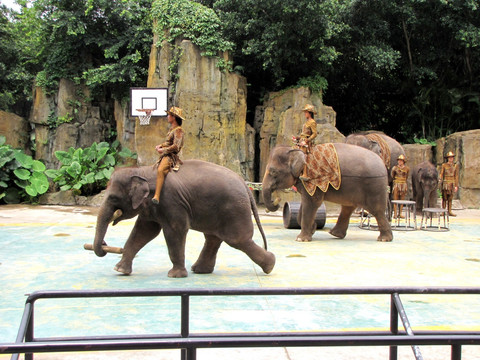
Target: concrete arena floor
41	248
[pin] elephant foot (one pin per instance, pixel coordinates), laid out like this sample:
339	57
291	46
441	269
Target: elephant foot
177	273
385	237
123	268
202	268
338	233
304	238
269	263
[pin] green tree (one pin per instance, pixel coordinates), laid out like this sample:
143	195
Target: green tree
102	43
408	68
15	81
278	42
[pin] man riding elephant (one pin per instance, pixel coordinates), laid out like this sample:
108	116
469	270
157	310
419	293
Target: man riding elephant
169	150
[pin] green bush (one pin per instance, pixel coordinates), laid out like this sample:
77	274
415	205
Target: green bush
88	170
21	177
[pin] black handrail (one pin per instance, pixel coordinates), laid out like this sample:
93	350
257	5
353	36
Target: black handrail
189	343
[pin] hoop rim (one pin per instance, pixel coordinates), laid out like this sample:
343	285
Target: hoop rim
146	111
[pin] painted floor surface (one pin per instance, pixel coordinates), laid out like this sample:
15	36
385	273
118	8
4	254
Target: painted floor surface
41	248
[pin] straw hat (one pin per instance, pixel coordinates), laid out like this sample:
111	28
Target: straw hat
450	154
402	157
310	108
176	111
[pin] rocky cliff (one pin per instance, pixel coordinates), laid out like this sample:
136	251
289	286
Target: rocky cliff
214	104
281	116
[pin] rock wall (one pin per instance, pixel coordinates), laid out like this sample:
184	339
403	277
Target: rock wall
15	129
88	123
465	146
214	104
281	116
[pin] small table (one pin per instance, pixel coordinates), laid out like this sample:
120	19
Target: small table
429	213
410	214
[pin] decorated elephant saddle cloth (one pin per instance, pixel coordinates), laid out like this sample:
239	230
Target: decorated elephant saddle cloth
385	155
323	169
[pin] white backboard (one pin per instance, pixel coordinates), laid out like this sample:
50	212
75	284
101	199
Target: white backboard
148	98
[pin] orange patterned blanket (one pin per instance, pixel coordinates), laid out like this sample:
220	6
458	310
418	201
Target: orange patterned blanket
383	147
322	168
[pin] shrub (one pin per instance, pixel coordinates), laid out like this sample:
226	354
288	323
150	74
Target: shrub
21	177
88	170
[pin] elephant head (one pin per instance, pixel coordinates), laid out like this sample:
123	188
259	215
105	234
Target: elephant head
125	194
428	179
283	170
363	141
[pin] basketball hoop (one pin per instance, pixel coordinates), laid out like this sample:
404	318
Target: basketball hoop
145	119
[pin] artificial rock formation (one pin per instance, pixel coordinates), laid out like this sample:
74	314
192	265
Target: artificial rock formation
467	155
281	117
214	104
15	129
85	122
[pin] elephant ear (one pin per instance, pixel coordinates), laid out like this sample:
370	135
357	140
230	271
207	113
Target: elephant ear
139	191
296	162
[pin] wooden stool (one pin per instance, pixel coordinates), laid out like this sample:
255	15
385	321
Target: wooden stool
410	214
429	213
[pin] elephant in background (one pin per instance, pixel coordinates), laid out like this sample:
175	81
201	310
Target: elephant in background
201	196
363	184
389	151
424	185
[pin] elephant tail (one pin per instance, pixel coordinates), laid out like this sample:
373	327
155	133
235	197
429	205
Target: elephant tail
253	206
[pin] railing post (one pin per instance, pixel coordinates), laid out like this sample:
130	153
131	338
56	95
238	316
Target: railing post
456	352
393	327
186	353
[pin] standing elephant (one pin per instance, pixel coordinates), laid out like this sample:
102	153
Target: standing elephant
424	185
201	196
363	183
384	146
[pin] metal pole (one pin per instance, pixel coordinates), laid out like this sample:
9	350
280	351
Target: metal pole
406	324
456	352
393	328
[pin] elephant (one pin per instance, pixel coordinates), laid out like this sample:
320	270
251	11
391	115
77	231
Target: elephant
363	184
372	140
424	185
201	196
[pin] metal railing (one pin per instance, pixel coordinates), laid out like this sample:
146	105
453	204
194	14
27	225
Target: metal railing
188	342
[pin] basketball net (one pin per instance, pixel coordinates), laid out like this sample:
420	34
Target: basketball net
145	119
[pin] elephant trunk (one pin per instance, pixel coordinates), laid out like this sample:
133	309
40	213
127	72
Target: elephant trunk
267	199
105	216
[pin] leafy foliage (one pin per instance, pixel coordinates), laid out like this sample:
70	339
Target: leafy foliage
102	43
15	79
186	19
88	170
21	177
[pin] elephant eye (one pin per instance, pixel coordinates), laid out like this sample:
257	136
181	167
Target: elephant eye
272	172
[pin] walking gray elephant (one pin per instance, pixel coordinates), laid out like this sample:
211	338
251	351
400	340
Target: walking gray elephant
363	183
424	185
384	146
201	196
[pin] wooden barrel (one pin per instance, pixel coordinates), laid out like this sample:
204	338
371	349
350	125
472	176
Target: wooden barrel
290	213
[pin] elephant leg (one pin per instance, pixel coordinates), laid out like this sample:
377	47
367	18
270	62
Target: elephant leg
261	257
143	232
175	237
340	228
384	227
208	256
306	218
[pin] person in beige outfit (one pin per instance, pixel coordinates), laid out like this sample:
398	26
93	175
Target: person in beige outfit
169	150
448	179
